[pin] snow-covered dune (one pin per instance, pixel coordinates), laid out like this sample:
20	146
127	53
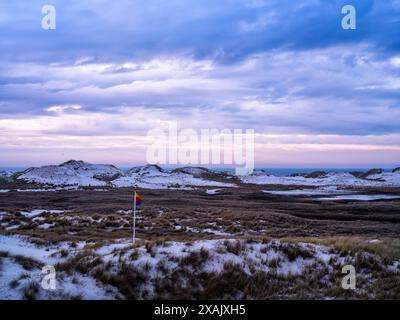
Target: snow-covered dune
328	179
79	173
5	175
388	178
72	173
153	177
194	171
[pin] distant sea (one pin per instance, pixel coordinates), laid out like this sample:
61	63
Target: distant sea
13	169
289	171
273	171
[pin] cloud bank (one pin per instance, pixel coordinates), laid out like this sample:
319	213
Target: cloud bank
312	91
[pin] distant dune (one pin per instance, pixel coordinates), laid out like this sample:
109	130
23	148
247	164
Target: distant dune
83	174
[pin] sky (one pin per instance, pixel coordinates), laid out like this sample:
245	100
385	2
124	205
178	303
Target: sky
316	95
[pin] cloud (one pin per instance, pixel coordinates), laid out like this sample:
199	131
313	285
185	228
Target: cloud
203	29
114	70
61	109
260	24
332	90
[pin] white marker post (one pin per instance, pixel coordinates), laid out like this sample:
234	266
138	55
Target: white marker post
134	218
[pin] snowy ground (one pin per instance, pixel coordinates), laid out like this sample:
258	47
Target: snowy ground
359	197
90	271
332	193
21	272
308	192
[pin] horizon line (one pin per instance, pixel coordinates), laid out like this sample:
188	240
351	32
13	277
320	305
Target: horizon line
263	166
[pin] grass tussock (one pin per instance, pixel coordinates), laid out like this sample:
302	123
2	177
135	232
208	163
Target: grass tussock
30	291
195	259
127	280
293	252
84	262
236	247
27	263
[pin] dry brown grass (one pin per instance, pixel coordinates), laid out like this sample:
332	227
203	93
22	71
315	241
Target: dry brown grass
30	291
246	214
247	211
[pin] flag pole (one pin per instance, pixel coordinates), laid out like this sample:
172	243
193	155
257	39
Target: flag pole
134	218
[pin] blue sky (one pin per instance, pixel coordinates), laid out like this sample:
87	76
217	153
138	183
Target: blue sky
315	94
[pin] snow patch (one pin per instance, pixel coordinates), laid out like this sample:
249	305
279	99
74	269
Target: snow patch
213	191
359	197
37	212
307	192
